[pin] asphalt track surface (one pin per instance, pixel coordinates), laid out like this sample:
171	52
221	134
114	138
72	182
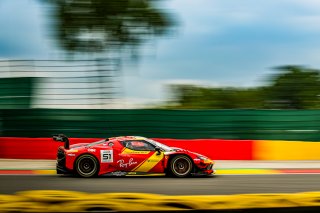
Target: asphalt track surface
219	184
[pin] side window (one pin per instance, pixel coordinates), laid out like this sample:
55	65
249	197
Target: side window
138	145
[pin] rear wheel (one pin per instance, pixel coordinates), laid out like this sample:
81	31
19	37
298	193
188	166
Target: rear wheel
87	166
181	166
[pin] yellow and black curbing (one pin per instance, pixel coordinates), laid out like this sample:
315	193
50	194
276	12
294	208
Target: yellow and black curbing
73	201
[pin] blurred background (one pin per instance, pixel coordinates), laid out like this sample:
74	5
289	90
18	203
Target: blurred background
171	68
241	78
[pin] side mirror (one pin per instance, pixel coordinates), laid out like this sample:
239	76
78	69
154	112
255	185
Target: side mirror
157	150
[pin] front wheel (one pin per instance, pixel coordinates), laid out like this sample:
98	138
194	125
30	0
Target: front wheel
87	166
181	166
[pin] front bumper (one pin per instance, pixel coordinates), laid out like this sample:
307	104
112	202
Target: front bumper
204	169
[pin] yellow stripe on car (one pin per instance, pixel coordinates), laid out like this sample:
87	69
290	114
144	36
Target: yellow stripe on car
140	164
130	151
148	164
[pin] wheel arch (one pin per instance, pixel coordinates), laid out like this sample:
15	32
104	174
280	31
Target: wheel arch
175	154
168	170
171	156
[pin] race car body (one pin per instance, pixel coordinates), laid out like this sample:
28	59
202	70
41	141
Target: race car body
127	155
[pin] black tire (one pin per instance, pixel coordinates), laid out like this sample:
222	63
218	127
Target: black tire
180	166
87	166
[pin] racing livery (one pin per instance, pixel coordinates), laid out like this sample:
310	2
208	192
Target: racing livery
128	155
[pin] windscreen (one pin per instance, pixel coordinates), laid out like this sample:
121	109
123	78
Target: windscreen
160	145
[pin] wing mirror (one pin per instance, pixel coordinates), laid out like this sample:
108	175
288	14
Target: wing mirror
157	150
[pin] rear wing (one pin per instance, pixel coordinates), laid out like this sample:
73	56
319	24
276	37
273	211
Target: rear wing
62	138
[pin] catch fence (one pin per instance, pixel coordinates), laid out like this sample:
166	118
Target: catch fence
58	83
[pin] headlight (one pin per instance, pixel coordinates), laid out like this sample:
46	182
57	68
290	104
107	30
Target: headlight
202	157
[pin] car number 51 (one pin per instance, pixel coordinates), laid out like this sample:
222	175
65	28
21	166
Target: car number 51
106	156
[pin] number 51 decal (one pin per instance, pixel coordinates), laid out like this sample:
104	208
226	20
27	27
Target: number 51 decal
106	156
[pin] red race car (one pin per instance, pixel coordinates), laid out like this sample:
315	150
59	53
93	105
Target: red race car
128	155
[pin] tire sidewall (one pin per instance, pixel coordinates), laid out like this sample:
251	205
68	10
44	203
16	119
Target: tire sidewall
172	162
93	173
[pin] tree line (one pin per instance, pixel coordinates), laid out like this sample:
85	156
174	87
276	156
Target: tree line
292	87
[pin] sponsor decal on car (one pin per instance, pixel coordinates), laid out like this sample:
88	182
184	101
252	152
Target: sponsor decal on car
122	163
119	173
106	156
130	151
72	150
91	150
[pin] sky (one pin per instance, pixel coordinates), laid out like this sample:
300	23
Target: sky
218	43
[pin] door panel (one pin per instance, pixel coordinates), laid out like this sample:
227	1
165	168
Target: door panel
139	156
129	160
